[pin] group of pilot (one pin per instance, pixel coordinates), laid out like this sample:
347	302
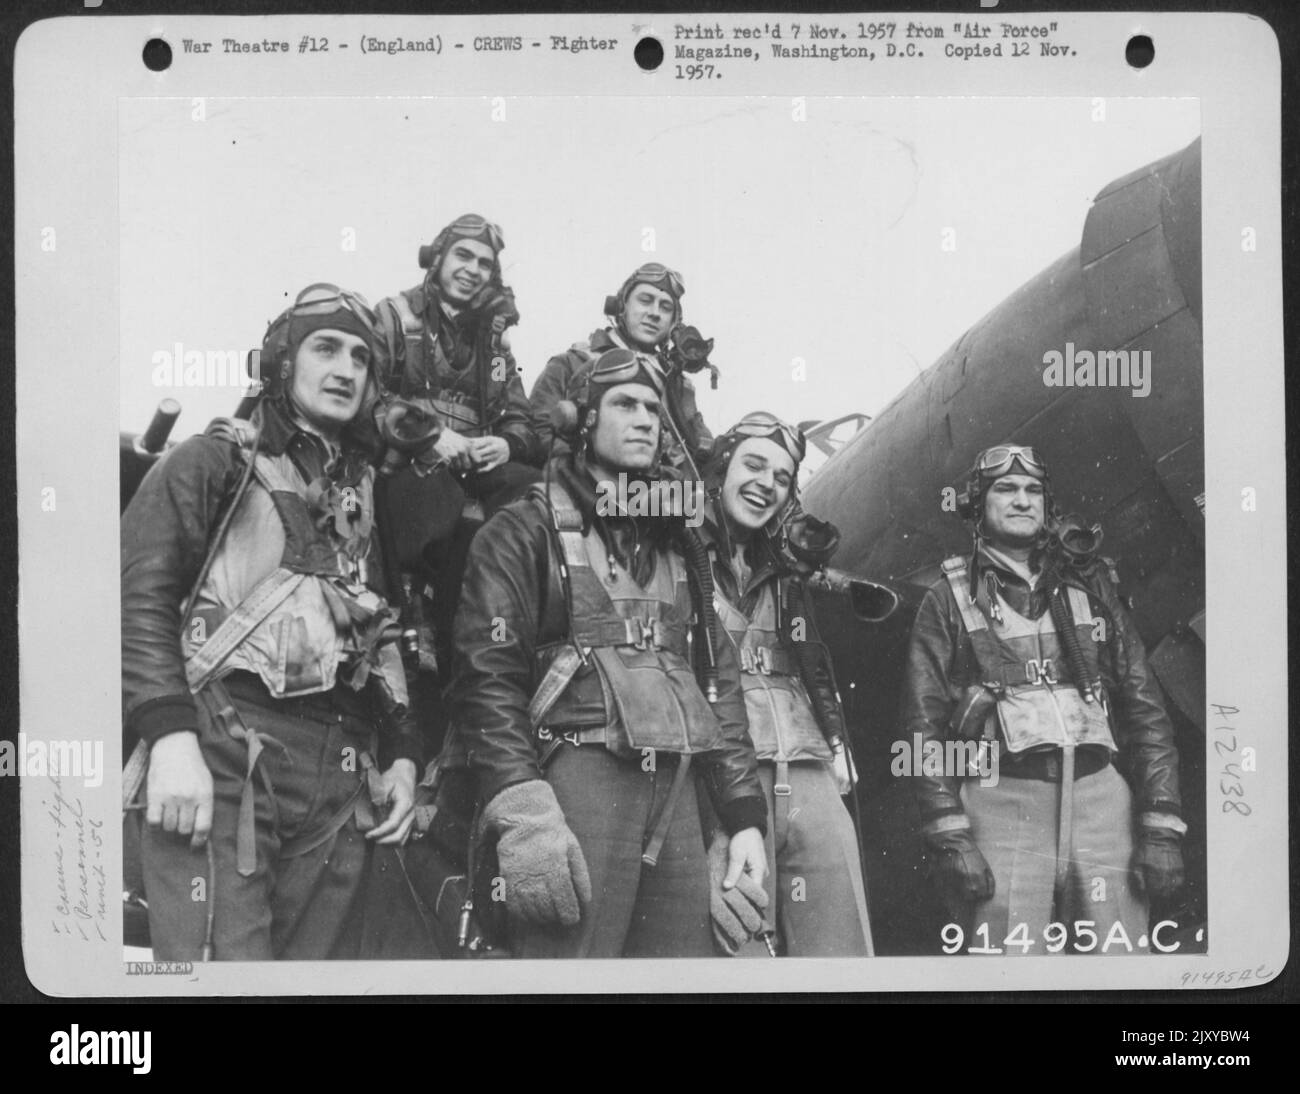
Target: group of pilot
401	574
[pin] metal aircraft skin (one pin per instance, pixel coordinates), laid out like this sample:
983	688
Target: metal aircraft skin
1133	463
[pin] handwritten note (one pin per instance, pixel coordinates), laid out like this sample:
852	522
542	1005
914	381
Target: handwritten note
80	878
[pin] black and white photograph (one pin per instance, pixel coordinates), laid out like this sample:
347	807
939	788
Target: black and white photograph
760	307
704	523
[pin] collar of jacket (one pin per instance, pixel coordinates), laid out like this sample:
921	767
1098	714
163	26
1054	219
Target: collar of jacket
1034	600
759	553
428	308
280	434
577	479
610	338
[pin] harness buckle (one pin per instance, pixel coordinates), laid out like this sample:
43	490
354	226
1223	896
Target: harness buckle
782	790
1043	671
764	657
649	634
747	660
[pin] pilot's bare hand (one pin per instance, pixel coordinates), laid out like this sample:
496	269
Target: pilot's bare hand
455	449
747	857
179	787
398	793
489	452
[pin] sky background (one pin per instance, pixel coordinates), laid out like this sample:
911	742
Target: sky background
820	240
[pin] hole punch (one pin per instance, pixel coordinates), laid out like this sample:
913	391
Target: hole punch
649	54
157	55
1140	51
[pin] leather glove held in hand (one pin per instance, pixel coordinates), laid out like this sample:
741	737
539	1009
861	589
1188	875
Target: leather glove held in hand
545	874
962	874
1158	863
737	913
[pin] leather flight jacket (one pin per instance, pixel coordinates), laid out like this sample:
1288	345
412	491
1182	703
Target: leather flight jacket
323	624
555	383
513	621
473	393
1027	700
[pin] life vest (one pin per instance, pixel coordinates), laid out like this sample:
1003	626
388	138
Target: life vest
1023	663
638	683
456	394
285	600
782	722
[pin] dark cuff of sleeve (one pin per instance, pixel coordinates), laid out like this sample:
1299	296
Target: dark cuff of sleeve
1164	805
928	815
401	741
741	813
166	714
403	746
518	450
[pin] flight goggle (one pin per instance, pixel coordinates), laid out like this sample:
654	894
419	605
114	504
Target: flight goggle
770	427
477	227
998	460
661	277
326	299
625	367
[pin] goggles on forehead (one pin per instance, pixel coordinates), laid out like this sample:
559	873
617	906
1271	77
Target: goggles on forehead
999	459
474	226
622	366
326	299
770	427
661	277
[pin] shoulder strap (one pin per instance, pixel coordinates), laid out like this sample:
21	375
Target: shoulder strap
397	323
238	431
1080	608
954	569
987	652
407	320
566	522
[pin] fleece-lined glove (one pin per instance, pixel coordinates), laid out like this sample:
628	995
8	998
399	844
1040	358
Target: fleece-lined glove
545	874
1158	863
959	869
737	913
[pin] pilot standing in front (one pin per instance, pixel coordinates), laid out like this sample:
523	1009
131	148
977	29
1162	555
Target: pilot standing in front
577	708
1026	647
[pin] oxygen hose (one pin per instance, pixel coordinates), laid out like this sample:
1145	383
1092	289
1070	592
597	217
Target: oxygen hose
1065	629
697	561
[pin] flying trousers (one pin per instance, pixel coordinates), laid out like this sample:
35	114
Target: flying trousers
816	898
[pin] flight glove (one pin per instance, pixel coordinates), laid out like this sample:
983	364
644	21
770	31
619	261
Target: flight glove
1158	863
959	869
737	913
545	874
